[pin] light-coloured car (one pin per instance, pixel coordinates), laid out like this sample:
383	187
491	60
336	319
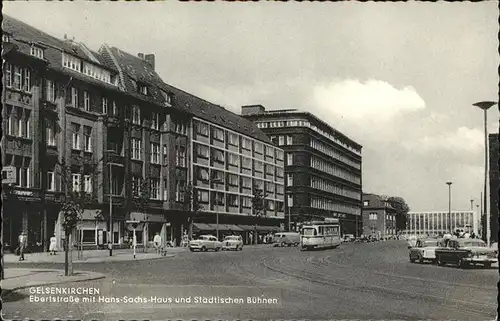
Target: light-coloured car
205	243
286	239
412	241
424	250
232	242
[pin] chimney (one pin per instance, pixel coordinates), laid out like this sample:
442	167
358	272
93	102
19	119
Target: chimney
140	55
252	110
150	59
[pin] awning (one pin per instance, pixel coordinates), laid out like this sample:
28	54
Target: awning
229	227
259	228
203	227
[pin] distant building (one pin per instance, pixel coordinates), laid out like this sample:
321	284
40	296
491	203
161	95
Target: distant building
435	223
322	166
494	185
379	217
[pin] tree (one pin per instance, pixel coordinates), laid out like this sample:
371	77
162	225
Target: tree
402	210
258	206
74	202
190	204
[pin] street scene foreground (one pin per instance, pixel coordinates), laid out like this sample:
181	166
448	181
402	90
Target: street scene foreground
354	281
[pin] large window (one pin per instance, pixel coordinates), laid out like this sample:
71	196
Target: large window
218	134
51	184
202	174
136	115
202	129
155	188
51	132
202	151
105	105
87	138
180	157
155	120
217	156
87	183
86	101
75	134
155	153
232	139
76	182
136	148
74	97
50	91
23	178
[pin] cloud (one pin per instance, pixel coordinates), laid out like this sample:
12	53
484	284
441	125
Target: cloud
374	99
464	139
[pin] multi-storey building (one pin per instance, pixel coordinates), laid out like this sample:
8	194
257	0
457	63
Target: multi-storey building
108	125
322	166
439	223
379	217
494	187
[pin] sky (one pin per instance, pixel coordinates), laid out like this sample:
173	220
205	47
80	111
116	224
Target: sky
398	78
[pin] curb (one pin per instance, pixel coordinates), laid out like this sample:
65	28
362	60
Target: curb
99	261
8	291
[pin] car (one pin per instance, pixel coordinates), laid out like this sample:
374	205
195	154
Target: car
286	239
204	243
349	238
412	241
232	242
424	250
465	252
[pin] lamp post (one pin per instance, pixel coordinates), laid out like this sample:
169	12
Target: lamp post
485	105
449	206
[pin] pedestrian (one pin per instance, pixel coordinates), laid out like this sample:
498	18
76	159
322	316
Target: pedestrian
22	245
53	245
157	243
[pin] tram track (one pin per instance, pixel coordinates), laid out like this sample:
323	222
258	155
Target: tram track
467	306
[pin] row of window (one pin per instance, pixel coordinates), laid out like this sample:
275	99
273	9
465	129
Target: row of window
439	220
18	121
324	148
374	217
330	205
218	177
219	199
154	153
327	186
332	169
233	139
86	68
281	140
17	77
305	123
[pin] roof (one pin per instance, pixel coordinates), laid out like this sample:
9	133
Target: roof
134	69
24	35
288	113
376	202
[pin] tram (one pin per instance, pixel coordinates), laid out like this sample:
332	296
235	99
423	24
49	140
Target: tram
320	234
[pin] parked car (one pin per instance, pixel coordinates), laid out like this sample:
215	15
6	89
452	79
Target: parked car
286	239
465	252
348	238
232	242
205	243
424	250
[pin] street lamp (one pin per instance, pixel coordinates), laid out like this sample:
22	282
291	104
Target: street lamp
485	105
449	206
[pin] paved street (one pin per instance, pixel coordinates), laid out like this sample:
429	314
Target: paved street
355	281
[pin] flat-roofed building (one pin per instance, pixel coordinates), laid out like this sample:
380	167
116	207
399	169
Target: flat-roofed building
440	222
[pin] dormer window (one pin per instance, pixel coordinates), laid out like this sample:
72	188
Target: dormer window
168	98
143	89
36	51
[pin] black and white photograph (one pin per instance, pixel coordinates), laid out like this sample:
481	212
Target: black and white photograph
250	160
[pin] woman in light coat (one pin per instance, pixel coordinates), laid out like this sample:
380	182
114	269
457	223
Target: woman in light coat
53	245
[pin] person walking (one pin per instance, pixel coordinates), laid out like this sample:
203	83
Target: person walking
53	245
22	245
157	243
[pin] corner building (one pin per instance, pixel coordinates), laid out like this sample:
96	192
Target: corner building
109	126
322	167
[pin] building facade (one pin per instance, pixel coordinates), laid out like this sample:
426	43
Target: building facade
439	223
104	123
494	157
379	217
322	167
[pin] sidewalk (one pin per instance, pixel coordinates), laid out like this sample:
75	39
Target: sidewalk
19	278
93	256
